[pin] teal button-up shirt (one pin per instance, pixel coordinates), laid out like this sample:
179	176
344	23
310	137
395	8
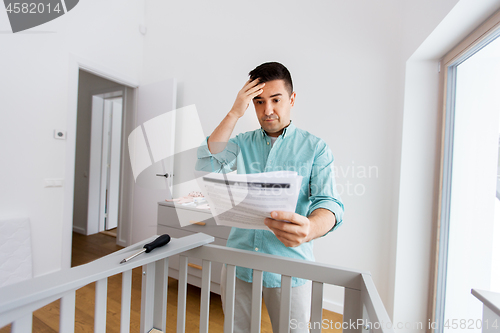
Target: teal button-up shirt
294	150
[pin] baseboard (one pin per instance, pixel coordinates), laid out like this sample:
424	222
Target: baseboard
79	230
108	233
121	242
333	306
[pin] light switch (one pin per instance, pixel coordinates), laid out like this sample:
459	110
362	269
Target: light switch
56	182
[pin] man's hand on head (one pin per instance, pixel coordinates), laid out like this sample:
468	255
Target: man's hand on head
250	90
217	141
293	229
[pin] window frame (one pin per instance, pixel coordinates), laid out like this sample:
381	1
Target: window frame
473	43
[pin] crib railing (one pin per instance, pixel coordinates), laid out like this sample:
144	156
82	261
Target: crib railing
363	308
18	301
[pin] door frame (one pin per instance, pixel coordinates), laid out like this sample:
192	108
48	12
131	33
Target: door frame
77	63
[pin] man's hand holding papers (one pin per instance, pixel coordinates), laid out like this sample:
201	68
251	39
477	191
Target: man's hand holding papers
290	228
293	229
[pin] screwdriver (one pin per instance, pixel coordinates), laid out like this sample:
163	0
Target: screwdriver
158	242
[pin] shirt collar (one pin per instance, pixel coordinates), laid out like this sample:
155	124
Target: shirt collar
286	131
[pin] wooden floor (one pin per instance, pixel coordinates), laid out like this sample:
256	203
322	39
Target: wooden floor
89	248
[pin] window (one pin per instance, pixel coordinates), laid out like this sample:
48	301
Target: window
470	210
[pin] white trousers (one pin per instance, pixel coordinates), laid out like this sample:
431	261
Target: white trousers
300	310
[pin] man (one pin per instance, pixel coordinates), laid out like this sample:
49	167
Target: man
277	145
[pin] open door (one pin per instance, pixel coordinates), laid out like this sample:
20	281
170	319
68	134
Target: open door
151	148
105	156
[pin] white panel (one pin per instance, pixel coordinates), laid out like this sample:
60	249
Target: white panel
229	302
353	309
138	151
491	321
316	305
153	100
160	131
126	299
105	151
256	312
189	136
101	298
160	295
23	324
15	251
95	165
193	134
147	296
114	168
67	313
285	304
181	294
205	296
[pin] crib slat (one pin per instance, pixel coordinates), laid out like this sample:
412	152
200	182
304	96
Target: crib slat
67	313
160	295
23	324
353	309
256	301
182	291
101	297
229	303
205	296
285	303
126	298
316	306
147	297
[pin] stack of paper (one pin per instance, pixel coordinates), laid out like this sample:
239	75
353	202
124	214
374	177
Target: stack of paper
245	200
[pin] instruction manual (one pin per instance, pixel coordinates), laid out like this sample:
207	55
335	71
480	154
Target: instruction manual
245	200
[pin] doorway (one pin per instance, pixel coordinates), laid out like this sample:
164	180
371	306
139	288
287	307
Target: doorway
99	159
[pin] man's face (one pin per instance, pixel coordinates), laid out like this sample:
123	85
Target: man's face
273	107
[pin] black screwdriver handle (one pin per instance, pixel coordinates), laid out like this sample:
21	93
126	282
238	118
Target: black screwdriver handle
158	242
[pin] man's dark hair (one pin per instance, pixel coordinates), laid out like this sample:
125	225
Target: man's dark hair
270	71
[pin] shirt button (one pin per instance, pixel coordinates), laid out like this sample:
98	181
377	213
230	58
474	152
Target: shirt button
256	249
268	143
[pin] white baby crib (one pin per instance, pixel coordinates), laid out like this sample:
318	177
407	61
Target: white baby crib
363	308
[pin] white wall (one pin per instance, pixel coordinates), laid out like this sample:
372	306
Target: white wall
347	59
34	100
